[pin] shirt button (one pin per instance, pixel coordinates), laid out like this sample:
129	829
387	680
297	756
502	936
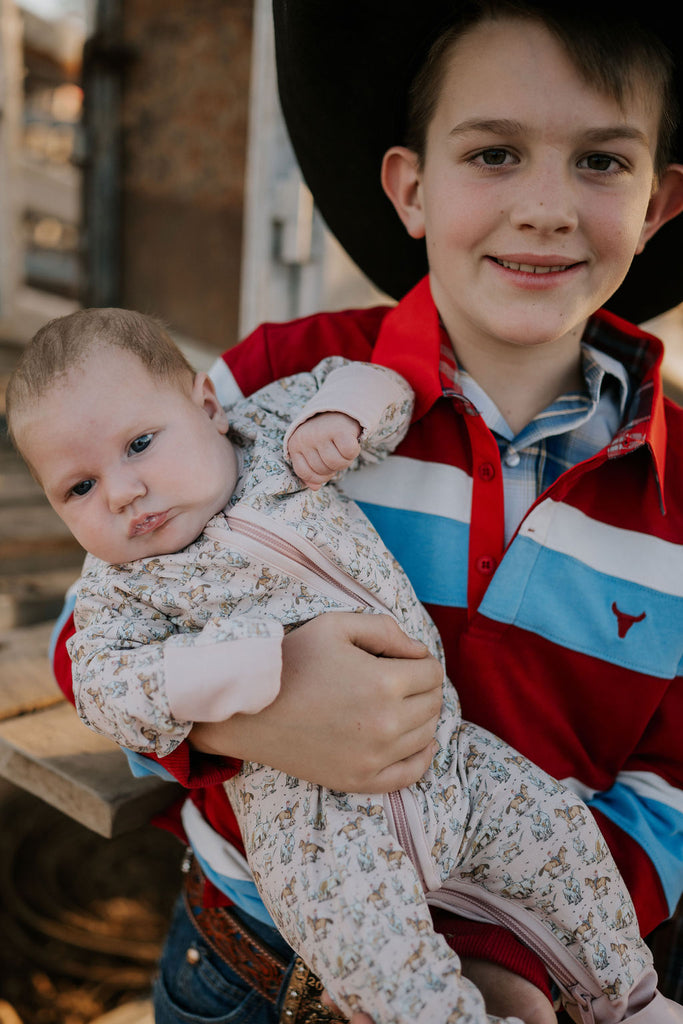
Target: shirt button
486	565
511	458
486	471
192	955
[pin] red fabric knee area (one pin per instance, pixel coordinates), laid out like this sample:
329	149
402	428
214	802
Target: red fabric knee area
491	942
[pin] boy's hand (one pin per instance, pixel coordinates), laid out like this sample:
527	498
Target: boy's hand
357	710
323	446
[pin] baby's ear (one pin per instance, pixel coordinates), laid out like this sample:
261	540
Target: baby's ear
401	180
665	204
204	395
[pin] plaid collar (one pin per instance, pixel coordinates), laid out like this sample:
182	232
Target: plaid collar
600	372
411	341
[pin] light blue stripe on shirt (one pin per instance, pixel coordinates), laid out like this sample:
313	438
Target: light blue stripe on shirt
432	550
656	826
141	766
579	613
243	893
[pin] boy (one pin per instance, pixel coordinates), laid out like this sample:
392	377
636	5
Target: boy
199	567
547	636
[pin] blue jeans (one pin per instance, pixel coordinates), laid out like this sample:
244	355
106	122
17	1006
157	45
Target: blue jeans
203	989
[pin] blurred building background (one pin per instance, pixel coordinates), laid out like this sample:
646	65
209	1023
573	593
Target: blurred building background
144	163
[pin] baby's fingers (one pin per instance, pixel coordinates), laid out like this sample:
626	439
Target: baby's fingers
316	465
309	476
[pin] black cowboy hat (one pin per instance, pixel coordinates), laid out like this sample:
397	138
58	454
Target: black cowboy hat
344	69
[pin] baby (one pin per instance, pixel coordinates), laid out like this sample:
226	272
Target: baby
204	550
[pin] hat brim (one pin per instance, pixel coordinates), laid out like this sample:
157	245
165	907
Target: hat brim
344	70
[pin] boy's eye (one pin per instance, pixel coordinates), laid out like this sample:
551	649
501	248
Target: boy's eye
494	156
600	162
82	487
140	443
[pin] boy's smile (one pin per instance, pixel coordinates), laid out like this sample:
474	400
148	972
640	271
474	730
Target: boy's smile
533	195
135	466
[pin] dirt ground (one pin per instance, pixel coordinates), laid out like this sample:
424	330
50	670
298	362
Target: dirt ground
82	918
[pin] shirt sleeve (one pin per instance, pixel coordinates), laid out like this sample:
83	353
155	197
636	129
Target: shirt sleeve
641	814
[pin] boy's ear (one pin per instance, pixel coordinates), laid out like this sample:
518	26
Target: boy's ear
401	180
204	395
665	204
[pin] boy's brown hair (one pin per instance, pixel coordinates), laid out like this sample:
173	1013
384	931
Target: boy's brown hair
64	343
618	59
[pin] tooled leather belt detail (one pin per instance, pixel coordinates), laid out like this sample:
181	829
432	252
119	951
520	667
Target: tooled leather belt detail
256	963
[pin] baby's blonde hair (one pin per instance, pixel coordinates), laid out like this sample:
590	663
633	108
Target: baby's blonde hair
65	343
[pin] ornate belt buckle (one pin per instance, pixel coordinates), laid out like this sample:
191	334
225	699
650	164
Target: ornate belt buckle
301	1003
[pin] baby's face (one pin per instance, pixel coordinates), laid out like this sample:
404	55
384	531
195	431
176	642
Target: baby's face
135	466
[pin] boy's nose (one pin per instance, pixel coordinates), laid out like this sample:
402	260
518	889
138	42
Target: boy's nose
123	487
546	203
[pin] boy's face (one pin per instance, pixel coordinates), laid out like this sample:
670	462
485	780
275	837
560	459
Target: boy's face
533	194
133	465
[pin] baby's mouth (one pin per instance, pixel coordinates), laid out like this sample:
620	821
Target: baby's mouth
146	524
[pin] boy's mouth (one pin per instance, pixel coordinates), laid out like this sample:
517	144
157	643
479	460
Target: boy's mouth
533	268
147	523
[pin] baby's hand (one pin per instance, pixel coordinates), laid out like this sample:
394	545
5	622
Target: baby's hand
322	446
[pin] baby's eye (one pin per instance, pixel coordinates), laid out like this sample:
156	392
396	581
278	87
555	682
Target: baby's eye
140	443
82	487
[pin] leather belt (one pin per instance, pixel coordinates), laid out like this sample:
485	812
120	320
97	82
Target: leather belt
261	967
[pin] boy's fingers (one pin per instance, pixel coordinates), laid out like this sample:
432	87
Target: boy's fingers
406	772
382	636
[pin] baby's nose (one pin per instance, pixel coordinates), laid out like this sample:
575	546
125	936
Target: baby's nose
123	488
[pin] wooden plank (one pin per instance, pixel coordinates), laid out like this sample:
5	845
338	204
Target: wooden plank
26	680
34	523
33	537
17	486
29	598
53	755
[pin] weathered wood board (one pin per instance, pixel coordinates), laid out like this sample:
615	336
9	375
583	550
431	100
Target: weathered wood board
53	755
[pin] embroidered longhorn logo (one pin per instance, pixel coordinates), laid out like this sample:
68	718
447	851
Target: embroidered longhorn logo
625	621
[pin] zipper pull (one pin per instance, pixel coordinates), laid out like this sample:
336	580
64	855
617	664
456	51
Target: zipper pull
584	1001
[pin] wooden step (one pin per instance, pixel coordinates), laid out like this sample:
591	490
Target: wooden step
53	755
26	680
33	537
17	486
28	598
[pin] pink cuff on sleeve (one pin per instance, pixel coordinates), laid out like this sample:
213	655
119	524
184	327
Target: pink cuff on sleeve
360	390
213	682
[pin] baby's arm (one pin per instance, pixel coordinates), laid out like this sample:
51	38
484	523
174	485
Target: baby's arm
142	680
359	410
